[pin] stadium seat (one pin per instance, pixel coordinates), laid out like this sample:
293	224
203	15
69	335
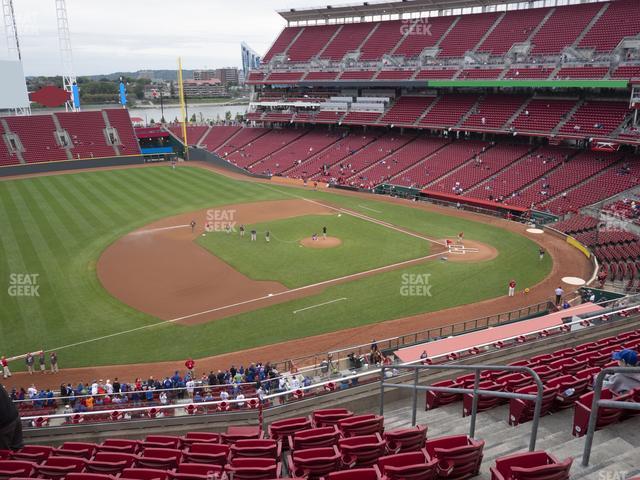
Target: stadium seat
314	463
252	448
33	453
330	416
458	456
537	465
161	458
57	468
484	402
16	468
404	440
282	429
361	425
233	434
196	471
410	465
437	399
200	437
211	453
161	441
606	416
314	437
521	411
570	388
89	476
76	449
371	473
144	474
361	451
119	445
253	468
111	463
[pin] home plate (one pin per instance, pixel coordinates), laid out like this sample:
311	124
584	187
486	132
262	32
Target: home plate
573	281
535	230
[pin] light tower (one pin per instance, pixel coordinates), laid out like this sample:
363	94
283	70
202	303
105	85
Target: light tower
11	31
64	42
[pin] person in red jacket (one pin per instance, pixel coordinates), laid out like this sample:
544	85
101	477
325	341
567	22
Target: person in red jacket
190	364
512	288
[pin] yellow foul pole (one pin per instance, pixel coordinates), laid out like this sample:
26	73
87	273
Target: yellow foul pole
183	110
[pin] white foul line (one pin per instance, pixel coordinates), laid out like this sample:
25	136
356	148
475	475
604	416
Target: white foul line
371	209
319	305
153	230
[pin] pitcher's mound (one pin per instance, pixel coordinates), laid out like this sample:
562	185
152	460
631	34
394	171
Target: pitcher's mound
328	242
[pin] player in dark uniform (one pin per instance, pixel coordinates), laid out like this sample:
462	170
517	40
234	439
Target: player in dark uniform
193	225
324	233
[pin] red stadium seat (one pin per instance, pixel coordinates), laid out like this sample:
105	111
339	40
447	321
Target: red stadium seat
484	402
314	438
111	462
282	429
458	456
233	434
89	476
211	453
145	474
569	388
76	449
410	465
260	448
314	463
196	471
531	466
16	468
362	451
406	439
514	381
253	469
606	416
57	468
33	453
361	425
330	416
371	473
161	441
160	458
200	437
521	411
120	445
436	399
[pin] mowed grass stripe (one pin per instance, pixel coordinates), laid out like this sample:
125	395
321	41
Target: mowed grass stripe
101	207
45	244
63	217
75	202
32	308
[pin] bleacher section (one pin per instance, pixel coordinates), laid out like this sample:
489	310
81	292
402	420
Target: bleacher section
68	135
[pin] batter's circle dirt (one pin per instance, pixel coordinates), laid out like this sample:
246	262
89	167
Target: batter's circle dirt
471	251
322	243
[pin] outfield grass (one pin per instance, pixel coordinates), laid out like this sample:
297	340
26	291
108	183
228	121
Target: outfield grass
57	227
365	246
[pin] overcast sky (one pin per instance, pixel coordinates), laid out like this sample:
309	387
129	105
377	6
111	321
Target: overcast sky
129	35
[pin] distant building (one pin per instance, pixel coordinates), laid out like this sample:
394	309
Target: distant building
200	75
154	90
204	88
227	75
250	59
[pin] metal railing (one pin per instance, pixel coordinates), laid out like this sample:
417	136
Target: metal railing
598	402
475	391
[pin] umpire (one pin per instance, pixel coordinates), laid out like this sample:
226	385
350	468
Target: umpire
10	426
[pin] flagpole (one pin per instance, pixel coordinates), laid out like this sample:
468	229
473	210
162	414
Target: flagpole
183	111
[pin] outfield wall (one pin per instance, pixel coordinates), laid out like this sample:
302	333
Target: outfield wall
64	165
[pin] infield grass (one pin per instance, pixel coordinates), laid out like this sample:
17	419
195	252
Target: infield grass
365	246
57	226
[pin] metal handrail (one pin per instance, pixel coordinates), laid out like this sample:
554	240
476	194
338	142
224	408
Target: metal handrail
598	402
475	391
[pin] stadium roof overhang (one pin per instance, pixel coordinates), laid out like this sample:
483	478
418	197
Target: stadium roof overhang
366	9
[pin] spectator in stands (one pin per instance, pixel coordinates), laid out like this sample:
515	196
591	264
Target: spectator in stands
623	382
10	425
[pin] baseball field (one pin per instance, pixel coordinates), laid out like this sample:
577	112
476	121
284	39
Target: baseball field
116	275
